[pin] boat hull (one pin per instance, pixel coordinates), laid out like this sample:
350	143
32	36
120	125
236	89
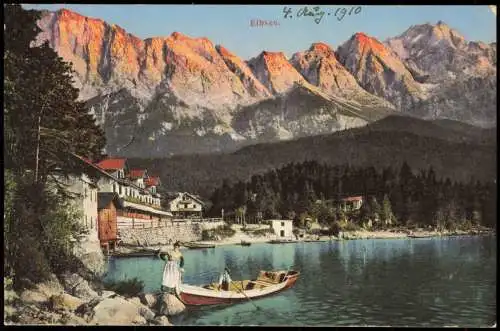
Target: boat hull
197	296
197	246
283	241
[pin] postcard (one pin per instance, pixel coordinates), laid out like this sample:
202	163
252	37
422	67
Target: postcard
250	165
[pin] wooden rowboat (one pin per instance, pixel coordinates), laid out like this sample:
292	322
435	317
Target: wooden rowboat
268	283
194	245
245	243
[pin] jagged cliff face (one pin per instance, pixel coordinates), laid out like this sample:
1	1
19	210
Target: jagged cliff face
320	67
275	72
379	71
461	74
440	53
178	94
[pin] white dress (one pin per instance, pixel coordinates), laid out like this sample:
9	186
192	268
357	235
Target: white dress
172	272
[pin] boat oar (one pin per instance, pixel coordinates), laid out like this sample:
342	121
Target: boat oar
258	308
242	291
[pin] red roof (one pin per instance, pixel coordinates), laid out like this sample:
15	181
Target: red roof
152	181
137	173
112	164
359	198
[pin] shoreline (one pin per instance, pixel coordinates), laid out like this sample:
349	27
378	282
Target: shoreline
124	251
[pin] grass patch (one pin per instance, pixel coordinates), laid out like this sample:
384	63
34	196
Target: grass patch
128	288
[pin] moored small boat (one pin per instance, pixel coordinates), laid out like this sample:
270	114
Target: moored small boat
268	282
280	241
245	243
420	236
195	245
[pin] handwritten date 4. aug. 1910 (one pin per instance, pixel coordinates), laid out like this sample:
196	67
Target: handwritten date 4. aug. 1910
317	13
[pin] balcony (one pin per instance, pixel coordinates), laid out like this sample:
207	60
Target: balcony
139	201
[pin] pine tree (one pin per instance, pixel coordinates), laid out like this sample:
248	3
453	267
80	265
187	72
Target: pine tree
45	125
376	210
386	215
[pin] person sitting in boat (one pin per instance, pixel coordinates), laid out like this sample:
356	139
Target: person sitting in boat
225	280
173	268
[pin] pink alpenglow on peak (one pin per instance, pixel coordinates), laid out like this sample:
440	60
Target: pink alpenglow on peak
274	71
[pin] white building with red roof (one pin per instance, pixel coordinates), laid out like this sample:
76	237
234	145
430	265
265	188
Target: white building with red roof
351	203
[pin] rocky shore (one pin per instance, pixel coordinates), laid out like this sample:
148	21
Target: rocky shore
71	300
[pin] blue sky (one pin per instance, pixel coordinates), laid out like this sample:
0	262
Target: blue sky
230	25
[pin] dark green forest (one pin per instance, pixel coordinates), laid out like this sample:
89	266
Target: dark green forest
392	197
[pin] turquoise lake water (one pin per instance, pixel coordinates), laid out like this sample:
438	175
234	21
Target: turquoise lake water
397	282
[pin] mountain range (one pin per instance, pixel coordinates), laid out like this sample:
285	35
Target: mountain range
173	95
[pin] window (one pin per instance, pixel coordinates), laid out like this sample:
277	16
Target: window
114	188
282	223
120	189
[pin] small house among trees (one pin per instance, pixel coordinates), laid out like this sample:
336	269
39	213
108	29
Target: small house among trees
351	203
186	205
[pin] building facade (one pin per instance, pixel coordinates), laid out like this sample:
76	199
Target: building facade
185	205
114	200
282	228
108	205
84	189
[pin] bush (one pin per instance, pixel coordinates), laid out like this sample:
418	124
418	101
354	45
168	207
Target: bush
335	228
128	287
222	231
350	226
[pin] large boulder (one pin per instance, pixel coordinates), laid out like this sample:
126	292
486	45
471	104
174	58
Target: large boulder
147	313
78	287
144	310
135	301
88	251
162	320
86	310
65	302
73	320
148	299
116	311
107	294
170	305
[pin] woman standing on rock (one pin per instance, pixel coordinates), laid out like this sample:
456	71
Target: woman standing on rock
173	268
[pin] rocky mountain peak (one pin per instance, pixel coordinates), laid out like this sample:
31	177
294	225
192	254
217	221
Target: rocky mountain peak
379	70
320	47
442	52
274	71
320	67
